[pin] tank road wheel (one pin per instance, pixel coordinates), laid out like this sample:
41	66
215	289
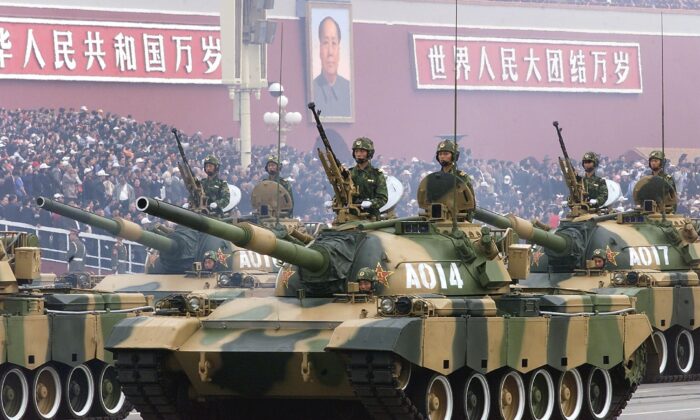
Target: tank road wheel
599	392
15	394
46	392
540	395
78	392
509	396
434	397
473	397
109	399
662	347
682	350
569	394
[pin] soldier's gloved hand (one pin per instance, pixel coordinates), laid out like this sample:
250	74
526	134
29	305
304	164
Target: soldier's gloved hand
328	204
593	202
366	204
213	206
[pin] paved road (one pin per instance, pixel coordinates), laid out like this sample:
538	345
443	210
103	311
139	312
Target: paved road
676	401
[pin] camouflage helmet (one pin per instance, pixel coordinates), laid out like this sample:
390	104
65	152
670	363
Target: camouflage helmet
364	143
273	159
598	253
590	156
210	255
658	154
213	160
447	146
366	273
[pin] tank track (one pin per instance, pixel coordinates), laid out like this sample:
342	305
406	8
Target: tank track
145	386
655	378
371	375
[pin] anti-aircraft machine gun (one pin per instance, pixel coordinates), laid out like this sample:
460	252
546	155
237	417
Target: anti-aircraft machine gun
647	253
198	198
577	192
440	332
53	362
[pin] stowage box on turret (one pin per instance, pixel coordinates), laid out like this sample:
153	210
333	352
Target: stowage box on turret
439	333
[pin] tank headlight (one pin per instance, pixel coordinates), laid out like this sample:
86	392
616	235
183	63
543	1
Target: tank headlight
619	279
632	277
224	280
194	303
403	305
387	306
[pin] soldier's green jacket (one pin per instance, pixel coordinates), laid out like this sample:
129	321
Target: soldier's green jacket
596	189
372	186
216	191
287	186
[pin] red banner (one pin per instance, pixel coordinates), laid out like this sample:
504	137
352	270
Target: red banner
526	65
109	51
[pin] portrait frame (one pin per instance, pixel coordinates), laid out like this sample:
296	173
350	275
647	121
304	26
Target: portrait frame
338	98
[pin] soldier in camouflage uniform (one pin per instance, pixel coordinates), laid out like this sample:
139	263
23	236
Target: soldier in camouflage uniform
595	186
215	188
76	253
273	167
369	180
447	156
367	278
657	163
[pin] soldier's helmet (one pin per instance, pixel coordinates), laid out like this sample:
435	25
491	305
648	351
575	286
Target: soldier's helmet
211	255
213	160
367	274
364	143
590	156
658	154
273	159
447	146
598	253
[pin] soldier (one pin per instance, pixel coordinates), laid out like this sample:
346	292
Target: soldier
447	156
369	180
657	163
119	257
215	188
210	262
273	167
599	258
367	278
595	186
76	253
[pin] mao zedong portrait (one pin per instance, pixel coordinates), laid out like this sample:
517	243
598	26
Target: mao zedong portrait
331	90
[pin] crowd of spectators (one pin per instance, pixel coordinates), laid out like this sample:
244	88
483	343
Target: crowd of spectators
653	4
101	162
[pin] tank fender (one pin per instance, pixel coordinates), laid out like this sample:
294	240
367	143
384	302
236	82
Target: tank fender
402	336
153	332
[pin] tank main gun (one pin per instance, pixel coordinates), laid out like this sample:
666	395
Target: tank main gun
117	226
245	235
557	243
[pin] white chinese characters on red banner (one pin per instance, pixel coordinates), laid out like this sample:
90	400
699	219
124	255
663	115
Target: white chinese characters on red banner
526	64
109	51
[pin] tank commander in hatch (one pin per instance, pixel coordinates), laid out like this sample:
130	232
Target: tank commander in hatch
215	188
657	163
370	181
273	167
595	186
447	156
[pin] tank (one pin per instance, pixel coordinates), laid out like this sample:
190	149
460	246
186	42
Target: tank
174	264
648	254
440	333
53	363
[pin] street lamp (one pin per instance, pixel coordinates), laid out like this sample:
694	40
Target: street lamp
288	119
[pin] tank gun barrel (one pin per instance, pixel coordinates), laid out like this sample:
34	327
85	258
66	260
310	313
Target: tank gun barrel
117	226
524	229
245	235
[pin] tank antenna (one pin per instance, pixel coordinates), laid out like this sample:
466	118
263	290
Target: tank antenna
279	130
454	155
663	125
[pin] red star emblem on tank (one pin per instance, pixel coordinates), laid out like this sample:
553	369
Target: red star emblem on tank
536	257
382	275
610	255
221	257
285	275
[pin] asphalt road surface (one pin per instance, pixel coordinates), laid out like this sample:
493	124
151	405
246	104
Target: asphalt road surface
675	401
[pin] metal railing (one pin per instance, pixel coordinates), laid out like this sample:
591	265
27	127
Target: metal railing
98	248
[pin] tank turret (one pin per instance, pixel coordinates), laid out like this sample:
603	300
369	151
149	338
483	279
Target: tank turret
117	226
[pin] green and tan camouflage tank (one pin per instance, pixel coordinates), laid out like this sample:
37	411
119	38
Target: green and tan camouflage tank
442	334
174	264
649	254
52	358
